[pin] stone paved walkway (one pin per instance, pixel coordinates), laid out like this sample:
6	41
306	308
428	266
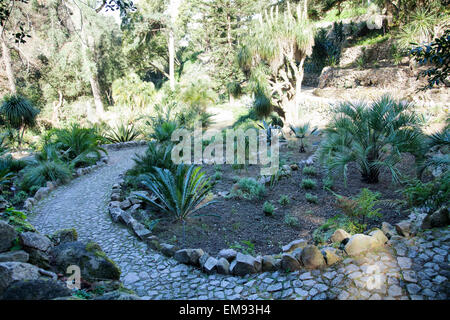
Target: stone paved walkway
420	271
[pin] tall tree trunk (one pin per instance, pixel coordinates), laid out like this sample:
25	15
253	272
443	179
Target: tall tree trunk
171	60
56	107
8	67
99	109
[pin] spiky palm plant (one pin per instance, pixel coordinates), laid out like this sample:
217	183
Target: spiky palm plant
122	133
19	114
301	132
163	132
181	193
272	57
77	145
156	156
372	136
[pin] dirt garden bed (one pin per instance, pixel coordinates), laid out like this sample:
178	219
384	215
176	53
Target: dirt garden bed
241	224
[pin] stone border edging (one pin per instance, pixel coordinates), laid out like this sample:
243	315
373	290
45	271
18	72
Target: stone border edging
50	185
297	255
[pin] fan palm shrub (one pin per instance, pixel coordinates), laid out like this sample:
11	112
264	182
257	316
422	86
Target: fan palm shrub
156	156
181	193
77	145
18	113
122	133
372	136
302	132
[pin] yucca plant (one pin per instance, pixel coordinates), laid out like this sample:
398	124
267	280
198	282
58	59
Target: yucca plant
301	132
181	193
122	133
19	113
372	136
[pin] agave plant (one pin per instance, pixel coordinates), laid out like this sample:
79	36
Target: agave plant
122	133
301	132
372	136
19	114
181	193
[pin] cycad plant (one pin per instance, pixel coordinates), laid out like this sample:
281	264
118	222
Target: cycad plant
372	136
181	193
301	132
162	132
18	113
272	57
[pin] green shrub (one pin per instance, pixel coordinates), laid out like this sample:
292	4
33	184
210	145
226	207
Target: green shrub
372	136
308	184
19	198
284	200
268	208
360	207
122	133
39	174
248	188
163	131
181	193
18	219
311	198
431	194
309	171
291	221
157	155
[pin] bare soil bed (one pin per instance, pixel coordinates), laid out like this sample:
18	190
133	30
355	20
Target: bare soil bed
238	222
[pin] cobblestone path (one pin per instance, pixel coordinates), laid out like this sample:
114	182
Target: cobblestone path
415	268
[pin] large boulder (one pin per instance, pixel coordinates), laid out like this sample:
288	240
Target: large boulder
65	235
439	218
16	256
291	246
93	262
360	243
36	290
379	235
7	236
34	240
189	256
244	264
289	263
340	235
228	254
312	258
16	271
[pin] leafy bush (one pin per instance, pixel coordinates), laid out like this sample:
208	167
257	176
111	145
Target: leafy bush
309	171
360	207
156	156
18	219
431	194
372	136
45	171
291	221
309	184
19	198
181	193
268	208
122	133
311	198
248	188
284	200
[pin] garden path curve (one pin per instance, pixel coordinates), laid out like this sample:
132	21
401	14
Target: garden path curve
82	204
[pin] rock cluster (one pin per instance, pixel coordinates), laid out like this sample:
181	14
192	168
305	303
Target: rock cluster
35	271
